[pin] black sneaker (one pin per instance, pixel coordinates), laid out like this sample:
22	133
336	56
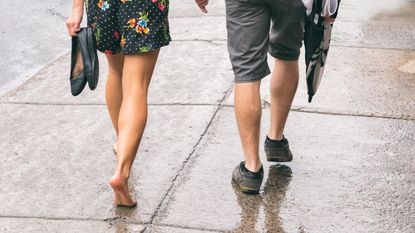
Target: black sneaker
277	151
247	181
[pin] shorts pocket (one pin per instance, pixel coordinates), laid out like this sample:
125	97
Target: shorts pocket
244	11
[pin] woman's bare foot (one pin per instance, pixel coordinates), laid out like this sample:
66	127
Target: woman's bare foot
121	193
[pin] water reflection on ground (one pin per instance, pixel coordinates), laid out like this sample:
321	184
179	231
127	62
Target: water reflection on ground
270	200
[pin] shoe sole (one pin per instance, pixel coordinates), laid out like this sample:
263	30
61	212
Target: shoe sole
278	158
92	52
244	189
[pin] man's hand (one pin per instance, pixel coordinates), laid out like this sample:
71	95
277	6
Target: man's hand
202	5
329	19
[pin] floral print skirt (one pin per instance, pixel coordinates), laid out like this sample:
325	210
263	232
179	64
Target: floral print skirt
129	26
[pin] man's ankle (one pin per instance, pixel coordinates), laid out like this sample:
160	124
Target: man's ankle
275	137
253	166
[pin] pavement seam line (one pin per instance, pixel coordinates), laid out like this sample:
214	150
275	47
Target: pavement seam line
188	228
57	218
370	48
294	109
366	115
185	162
106	220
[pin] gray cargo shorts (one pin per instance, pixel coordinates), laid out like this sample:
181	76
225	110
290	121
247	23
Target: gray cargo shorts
256	27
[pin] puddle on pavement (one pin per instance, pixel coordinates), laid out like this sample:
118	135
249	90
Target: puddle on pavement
260	213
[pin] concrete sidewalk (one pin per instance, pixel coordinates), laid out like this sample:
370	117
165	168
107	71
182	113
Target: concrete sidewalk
353	146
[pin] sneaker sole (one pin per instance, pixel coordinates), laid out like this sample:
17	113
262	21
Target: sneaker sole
94	63
244	189
279	159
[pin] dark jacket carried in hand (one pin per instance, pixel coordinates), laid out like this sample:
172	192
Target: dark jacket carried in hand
317	37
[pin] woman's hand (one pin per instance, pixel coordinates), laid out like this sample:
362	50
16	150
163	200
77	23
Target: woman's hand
74	22
202	5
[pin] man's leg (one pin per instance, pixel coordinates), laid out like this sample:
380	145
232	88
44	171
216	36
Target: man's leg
248	116
285	41
248	24
284	84
248	175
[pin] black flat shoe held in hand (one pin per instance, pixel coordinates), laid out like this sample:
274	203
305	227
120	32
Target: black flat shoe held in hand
85	42
78	81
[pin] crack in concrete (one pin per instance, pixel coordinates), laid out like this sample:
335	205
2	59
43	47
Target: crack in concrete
114	221
185	162
53	12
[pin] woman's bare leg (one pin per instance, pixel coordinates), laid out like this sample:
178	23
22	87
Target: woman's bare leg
132	119
113	88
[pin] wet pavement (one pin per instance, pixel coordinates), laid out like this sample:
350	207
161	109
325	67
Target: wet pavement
353	146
